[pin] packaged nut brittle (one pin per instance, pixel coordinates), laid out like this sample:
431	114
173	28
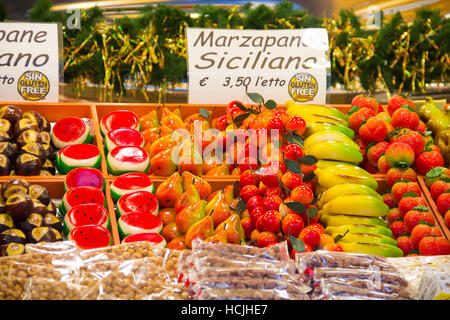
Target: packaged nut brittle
122	252
13	288
351	275
145	278
278	252
225	271
43	289
335	259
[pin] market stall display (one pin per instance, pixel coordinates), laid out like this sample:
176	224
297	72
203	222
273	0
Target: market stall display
312	199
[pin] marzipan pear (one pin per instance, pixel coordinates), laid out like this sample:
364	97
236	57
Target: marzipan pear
171	120
190	215
232	226
159	145
222	170
169	190
203	187
218	237
162	164
200	230
218	209
189	198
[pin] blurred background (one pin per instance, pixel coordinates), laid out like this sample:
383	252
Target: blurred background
17	10
134	50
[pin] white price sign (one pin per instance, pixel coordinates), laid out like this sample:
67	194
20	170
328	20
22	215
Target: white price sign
29	62
279	64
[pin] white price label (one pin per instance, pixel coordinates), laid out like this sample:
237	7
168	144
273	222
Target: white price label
279	64
29	62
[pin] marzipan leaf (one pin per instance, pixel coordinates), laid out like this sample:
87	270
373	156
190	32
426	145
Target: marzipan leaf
255	97
297	244
296	206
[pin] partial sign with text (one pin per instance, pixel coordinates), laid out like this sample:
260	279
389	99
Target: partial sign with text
29	62
280	64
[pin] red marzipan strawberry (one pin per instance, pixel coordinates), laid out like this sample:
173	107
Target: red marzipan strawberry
408	203
399	155
397	228
422	127
357	115
375	151
434	246
366	102
362	148
383	167
428	160
373	130
438	188
443	202
404	117
405	244
401	188
397	102
413	217
414	139
396	174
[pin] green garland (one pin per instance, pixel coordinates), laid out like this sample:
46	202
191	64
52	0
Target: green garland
150	49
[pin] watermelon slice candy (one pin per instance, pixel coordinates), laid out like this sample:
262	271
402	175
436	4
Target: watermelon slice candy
155	239
80	177
138	222
138	201
81	195
85	214
77	156
70	131
125	159
119	119
124	137
91	237
129	182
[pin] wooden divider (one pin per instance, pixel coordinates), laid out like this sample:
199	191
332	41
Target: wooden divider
432	205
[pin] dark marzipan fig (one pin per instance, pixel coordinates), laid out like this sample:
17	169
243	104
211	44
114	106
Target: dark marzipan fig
49	151
29	136
19	206
35	117
49	167
4	136
12	186
45	173
12	235
46	127
45	137
36	191
38	207
5	165
6	222
14	249
11	113
34	220
51	208
51	220
6	126
35	149
23	125
8	149
47	234
27	165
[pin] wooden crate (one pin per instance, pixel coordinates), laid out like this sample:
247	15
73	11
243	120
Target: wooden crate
57	111
432	205
55	188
